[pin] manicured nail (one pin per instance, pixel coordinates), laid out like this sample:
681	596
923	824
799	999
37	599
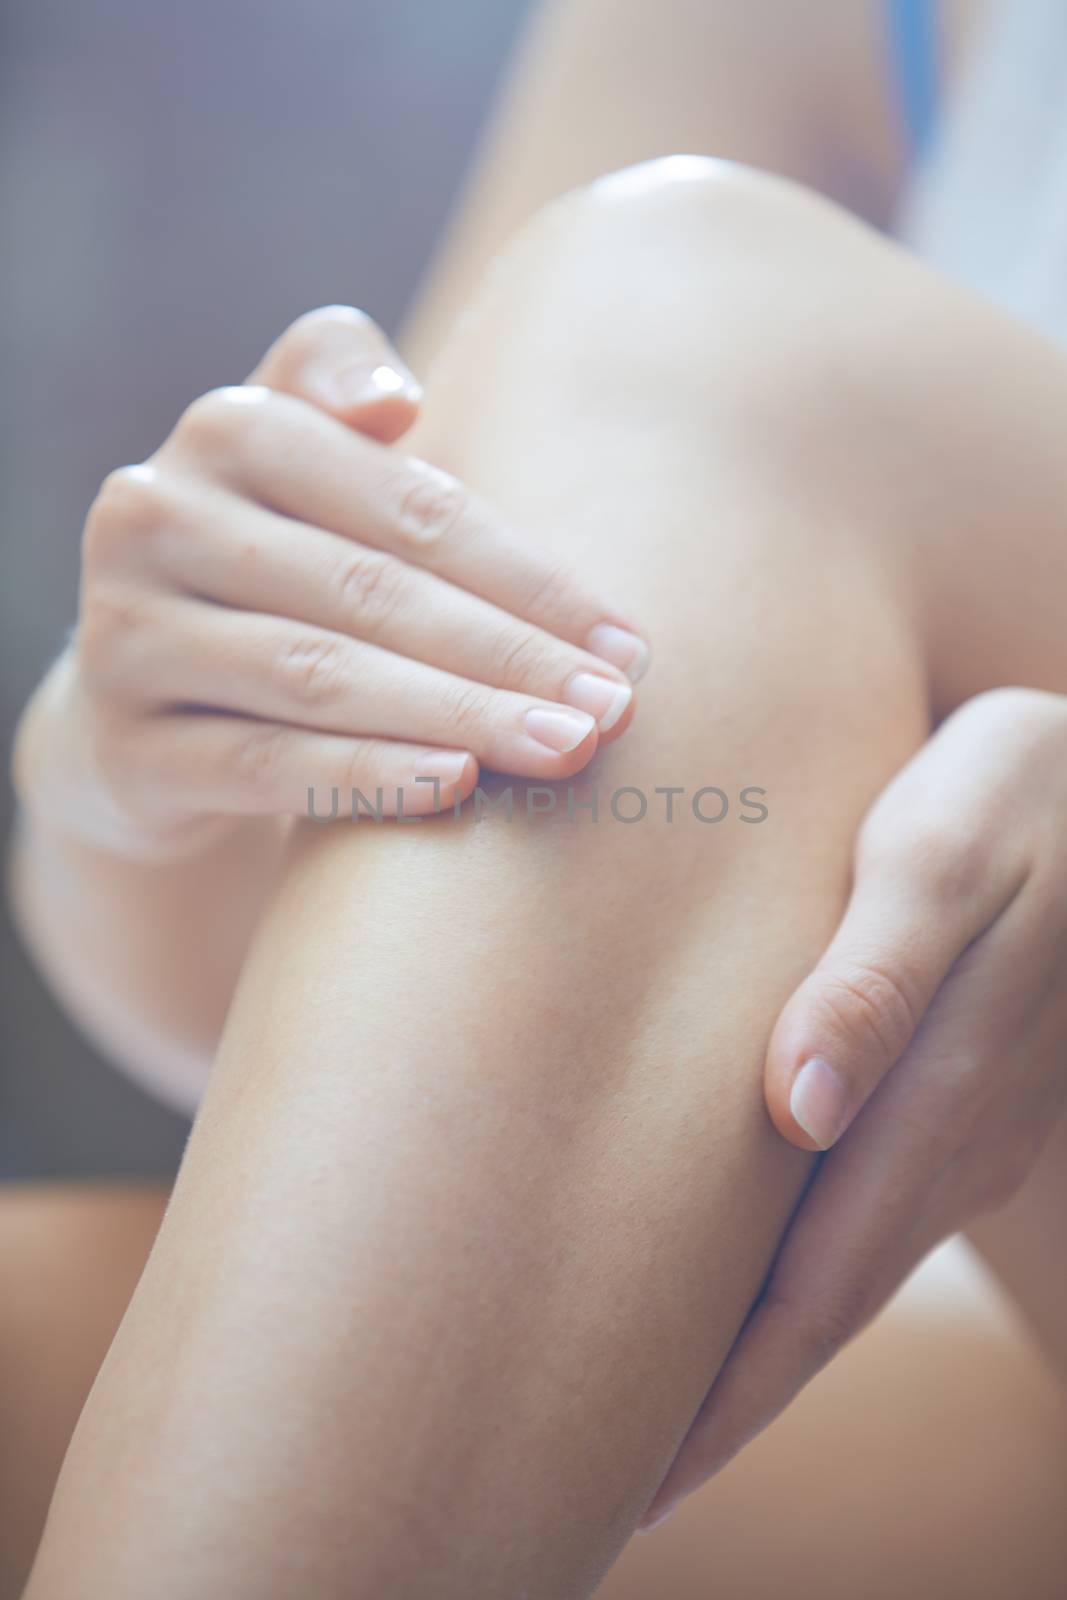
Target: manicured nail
601	697
561	731
621	647
818	1101
361	385
447	766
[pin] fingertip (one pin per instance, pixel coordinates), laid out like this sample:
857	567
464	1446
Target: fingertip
654	1516
382	402
558	741
819	1102
575	761
621	647
608	700
338	359
786	1052
621	724
451	775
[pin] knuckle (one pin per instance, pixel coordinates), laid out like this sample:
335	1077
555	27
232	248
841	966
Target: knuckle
1029	726
464	709
131	502
258	755
551	590
1009	706
370	586
108	622
317	328
430	504
518	658
313	669
945	862
218	419
331	316
361	770
950	862
871	1001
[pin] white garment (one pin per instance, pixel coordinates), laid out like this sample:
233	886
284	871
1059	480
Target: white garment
988	203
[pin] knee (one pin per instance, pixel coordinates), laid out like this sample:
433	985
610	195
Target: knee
691	215
687	190
687	268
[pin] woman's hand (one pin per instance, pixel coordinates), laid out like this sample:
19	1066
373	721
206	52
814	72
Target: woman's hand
276	603
948	969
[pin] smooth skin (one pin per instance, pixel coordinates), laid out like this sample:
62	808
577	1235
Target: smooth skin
157	1036
960	1431
805	91
325	600
280	615
514	1230
939	1005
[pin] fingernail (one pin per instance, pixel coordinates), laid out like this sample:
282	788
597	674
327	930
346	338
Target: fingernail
601	697
447	766
561	731
818	1101
647	1523
621	647
362	386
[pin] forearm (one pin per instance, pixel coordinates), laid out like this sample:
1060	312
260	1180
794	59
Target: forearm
143	952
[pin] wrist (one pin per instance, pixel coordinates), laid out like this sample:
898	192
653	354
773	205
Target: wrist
61	790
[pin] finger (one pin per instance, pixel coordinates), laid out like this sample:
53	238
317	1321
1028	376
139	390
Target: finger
914	909
282	671
338	359
242	767
852	1242
245	556
943	1139
298	461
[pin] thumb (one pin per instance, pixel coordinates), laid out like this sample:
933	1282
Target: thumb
906	924
339	360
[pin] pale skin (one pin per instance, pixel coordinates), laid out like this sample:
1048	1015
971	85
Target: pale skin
552	1196
255	845
264	616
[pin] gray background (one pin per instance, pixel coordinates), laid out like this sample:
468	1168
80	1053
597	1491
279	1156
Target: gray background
177	182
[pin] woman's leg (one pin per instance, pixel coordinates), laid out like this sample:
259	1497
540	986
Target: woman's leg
483	1185
70	1255
927	1459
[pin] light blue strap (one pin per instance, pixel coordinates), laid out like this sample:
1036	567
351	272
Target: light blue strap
913	52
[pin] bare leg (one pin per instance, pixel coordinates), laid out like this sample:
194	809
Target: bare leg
483	1185
70	1255
928	1459
962	1436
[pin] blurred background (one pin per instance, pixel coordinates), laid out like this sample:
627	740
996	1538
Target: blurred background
177	183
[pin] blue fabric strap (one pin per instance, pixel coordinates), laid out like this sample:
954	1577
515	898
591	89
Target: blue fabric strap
913	54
